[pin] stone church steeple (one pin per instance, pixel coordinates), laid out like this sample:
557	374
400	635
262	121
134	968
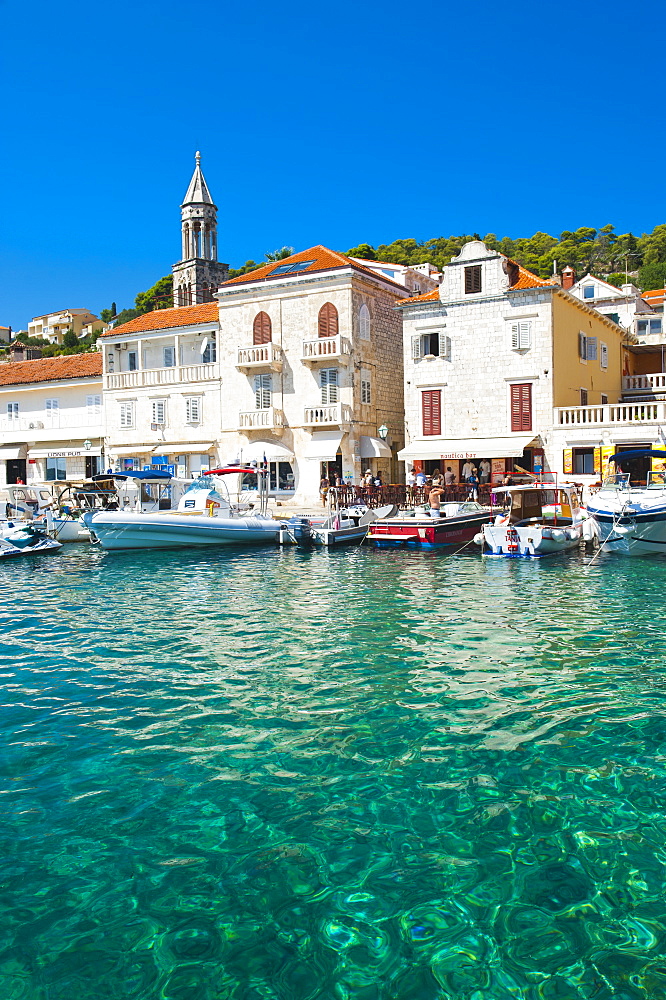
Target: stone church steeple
199	273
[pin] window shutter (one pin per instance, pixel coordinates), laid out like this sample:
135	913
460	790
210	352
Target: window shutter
328	320
525	335
515	336
582	346
431	411
262	391
445	347
262	332
159	410
169	354
591	348
521	407
364	322
328	380
604	354
472	279
417	348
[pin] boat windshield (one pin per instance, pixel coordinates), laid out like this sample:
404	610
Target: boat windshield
656	481
617	481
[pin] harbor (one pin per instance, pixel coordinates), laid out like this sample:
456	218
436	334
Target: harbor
332	773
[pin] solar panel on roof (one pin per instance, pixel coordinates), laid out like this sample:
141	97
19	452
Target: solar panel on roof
290	268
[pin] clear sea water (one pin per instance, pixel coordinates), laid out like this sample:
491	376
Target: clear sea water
274	775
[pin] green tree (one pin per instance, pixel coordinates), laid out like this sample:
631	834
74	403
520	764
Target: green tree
70	339
363	250
274	255
160	296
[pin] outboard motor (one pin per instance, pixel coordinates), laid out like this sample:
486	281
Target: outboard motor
301	529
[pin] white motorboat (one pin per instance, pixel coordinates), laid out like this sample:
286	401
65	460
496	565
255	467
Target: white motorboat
41	504
204	516
340	527
632	517
540	519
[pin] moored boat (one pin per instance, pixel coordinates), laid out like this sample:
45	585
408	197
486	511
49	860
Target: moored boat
203	517
632	516
541	519
457	524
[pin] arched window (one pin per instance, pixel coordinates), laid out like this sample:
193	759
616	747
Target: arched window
364	322
328	320
261	331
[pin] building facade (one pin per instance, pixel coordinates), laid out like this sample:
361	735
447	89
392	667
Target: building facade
51	425
199	273
494	359
54	326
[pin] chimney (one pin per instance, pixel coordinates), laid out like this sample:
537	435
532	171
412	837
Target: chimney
568	277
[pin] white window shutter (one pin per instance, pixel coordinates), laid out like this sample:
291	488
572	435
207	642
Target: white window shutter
515	336
525	337
445	346
604	355
591	348
417	348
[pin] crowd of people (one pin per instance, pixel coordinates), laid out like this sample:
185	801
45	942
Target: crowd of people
434	484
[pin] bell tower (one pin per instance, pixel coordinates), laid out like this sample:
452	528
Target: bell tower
199	273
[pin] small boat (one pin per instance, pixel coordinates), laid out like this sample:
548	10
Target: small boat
632	517
24	539
42	504
541	519
457	524
340	527
203	517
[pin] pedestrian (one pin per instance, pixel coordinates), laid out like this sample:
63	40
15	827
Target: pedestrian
367	478
449	476
19	481
467	470
437	478
324	487
410	481
473	486
377	481
484	471
435	501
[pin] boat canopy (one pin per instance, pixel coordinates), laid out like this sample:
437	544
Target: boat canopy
153	476
622	456
228	470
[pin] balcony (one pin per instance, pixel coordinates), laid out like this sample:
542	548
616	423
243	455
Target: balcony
335	348
644	384
327	415
162	376
260	357
614	414
270	419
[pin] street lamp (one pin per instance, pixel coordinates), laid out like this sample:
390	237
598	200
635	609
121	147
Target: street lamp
87	444
383	432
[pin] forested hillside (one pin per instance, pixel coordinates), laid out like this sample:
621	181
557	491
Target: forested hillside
602	251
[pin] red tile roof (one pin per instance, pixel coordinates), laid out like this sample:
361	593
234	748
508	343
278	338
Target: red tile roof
432	296
322	259
656	295
51	369
528	280
165	319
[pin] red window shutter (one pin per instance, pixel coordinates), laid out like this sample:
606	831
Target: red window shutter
328	320
261	332
431	404
521	407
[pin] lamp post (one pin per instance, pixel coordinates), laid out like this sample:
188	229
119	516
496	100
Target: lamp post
383	432
87	444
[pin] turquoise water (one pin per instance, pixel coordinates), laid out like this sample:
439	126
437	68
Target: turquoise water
360	774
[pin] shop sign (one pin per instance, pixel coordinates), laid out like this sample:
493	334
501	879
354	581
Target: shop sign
597	461
458	455
65	454
568	460
606	452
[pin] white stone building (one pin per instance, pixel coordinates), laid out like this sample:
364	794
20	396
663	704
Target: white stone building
492	357
162	390
51	425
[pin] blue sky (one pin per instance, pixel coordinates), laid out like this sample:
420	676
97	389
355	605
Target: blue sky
333	124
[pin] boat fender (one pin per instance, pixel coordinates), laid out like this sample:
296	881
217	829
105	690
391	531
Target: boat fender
571	533
558	535
478	538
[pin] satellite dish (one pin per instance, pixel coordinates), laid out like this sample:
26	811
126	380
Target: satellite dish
204	345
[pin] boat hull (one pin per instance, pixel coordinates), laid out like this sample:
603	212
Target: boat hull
427	532
115	530
530	542
630	529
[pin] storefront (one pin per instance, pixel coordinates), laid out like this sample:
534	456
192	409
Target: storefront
521	454
278	461
58	464
13	463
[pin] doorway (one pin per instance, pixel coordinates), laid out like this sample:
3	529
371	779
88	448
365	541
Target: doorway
16	469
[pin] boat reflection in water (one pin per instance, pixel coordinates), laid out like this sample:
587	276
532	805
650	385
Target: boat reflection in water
204	516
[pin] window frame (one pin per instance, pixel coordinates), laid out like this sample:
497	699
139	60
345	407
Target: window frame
328	320
193	407
521	334
132	361
13	411
155	405
473	278
520	414
262	329
366	386
263	392
171	351
127	414
329	386
431	412
364	322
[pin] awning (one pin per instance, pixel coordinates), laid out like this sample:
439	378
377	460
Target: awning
323	445
13	451
273	450
183	449
132	449
374	448
458	448
55	452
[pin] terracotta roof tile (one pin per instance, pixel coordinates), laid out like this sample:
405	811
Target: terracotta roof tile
655	295
165	319
51	369
322	259
528	280
432	296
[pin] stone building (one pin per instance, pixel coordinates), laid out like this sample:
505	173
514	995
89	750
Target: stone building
51	425
199	273
311	356
54	326
504	366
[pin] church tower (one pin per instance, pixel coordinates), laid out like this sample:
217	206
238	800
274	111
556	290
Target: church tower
199	273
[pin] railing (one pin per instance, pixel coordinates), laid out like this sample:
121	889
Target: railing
162	376
406	497
615	413
251	420
328	414
259	356
644	383
44	424
326	348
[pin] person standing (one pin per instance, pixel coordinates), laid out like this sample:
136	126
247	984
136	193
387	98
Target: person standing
484	471
323	489
449	476
467	470
435	501
437	478
473	485
420	478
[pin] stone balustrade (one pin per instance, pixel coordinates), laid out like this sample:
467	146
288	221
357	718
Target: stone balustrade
613	413
336	348
260	356
269	418
162	376
327	415
655	382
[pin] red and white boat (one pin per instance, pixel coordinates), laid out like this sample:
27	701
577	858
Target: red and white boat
457	524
